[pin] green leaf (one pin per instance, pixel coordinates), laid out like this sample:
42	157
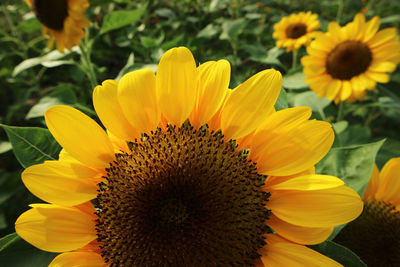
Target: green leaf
129	64
121	18
390	103
9	183
294	81
165	13
32	145
14	251
282	101
29	25
49	60
173	43
258	53
311	100
390	19
208	32
5	146
272	56
390	149
151	42
339	253
354	135
352	164
62	96
231	29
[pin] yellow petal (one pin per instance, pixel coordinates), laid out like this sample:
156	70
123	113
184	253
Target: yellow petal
383	36
335	31
382	66
333	88
285	119
78	259
137	97
249	103
273	180
359	26
118	144
80	136
319	208
372	27
346	90
214	80
373	184
279	254
309	182
176	85
61	183
389	182
106	104
54	228
299	234
65	156
215	122
290	150
378	76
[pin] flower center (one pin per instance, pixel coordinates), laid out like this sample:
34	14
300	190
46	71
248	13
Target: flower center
182	197
348	59
51	13
295	31
375	235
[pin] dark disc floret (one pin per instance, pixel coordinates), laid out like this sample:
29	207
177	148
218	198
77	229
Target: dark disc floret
375	235
348	59
182	197
51	13
295	31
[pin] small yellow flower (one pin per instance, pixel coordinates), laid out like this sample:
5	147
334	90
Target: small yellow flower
295	30
267	9
375	235
169	182
258	4
345	62
63	20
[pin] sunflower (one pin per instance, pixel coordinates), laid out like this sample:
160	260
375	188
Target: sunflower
375	235
188	173
295	30
345	62
63	20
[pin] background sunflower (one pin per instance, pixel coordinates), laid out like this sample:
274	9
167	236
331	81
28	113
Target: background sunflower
63	20
374	236
295	30
345	62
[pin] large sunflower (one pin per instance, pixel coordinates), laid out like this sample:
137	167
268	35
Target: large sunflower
346	61
63	20
295	30
168	185
375	235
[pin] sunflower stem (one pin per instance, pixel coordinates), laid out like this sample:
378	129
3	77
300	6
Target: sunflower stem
86	62
340	115
339	11
294	59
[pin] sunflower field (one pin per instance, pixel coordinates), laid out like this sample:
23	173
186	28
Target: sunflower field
199	133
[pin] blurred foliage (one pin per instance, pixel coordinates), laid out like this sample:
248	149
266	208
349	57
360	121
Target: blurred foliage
126	35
